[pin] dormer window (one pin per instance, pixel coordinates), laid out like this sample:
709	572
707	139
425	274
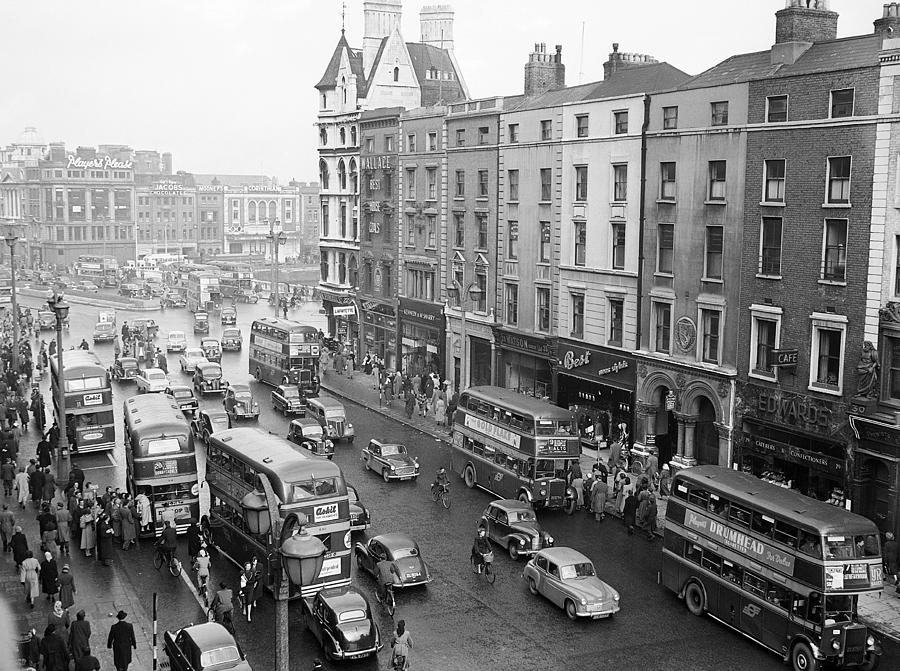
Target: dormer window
396	74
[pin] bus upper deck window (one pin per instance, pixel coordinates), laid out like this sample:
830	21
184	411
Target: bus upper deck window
762	524
699	497
839	547
786	533
810	545
718	506
867	546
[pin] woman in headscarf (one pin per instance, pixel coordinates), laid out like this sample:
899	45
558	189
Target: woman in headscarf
88	522
128	530
59	617
31	570
67	587
49	577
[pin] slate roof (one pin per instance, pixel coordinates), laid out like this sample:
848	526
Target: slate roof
847	53
329	79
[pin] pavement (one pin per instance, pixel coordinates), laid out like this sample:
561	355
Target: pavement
95	300
100	590
880	611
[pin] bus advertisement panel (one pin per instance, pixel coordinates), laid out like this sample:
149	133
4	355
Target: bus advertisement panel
515	446
784	569
285	352
88	401
304	483
161	461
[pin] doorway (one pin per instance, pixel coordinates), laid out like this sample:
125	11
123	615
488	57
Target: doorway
706	437
666	429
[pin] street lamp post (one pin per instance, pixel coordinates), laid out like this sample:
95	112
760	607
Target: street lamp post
299	555
11	239
472	291
276	240
61	310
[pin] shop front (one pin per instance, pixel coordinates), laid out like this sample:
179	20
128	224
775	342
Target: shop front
524	363
422	337
876	471
340	312
597	384
794	441
379	331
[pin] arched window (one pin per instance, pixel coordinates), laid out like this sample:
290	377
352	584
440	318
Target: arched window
273	210
323	136
251	211
344	89
343	136
323	174
353	135
342	175
324	266
396	74
354	177
354	272
342	268
324	101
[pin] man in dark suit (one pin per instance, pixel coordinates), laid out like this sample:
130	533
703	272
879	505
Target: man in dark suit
121	640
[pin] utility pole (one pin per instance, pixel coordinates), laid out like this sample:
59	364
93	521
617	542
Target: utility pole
276	240
11	239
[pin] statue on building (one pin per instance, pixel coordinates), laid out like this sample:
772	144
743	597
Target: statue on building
867	372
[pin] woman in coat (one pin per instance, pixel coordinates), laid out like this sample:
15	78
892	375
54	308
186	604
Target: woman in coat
59	617
440	410
19	545
104	540
88	524
114	511
128	528
31	571
67	587
49	577
53	647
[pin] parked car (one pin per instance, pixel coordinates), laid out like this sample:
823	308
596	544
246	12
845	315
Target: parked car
208	421
151	380
246	296
104	332
228	316
239	403
204	647
147	328
172	299
513	525
232	339
288	400
567	578
341	620
191	357
129	290
155	289
308	434
46	319
360	519
87	287
201	322
332	416
208	378
391	460
176	341
212	350
400	550
125	368
184	397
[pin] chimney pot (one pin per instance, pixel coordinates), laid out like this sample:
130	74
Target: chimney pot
615	47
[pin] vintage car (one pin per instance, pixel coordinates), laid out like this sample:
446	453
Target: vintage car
155	289
184	397
130	290
391	460
239	403
208	378
104	332
288	400
151	381
204	647
232	339
87	287
207	422
176	341
46	319
246	296
191	357
110	282
125	368
399	549
567	578
341	620
146	328
331	414
212	350
513	525
172	299
308	434
359	514
201	322
228	316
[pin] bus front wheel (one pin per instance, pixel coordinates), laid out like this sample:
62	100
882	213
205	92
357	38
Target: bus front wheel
469	476
802	658
695	599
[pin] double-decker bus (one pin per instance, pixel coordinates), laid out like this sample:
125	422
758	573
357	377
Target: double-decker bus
784	569
234	275
88	397
96	267
161	462
285	352
303	483
203	290
515	446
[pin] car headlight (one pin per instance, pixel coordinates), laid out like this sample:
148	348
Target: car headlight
615	597
870	641
549	539
543	492
522	542
349	425
835	645
392	468
583	601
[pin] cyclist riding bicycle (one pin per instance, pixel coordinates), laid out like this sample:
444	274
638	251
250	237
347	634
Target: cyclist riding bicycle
201	565
440	478
386	573
222	603
168	542
480	548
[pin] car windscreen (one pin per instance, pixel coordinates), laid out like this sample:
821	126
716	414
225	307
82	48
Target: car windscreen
183	393
312	431
580	570
390	450
216	656
291	392
195	353
155	375
400	553
219	424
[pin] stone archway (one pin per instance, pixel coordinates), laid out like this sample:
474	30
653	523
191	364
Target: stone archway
705	433
706	437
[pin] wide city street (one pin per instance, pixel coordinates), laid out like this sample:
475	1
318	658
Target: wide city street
458	621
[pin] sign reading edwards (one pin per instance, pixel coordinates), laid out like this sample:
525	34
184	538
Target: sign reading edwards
601	366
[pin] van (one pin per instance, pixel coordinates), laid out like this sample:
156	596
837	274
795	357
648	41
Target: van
332	416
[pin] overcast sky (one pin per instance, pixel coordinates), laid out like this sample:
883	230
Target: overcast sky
227	85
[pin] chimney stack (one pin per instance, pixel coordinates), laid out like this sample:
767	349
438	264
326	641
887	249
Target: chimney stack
623	61
543	71
888	26
800	24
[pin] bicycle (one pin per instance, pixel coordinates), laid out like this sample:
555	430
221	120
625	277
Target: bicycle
487	566
173	563
388	599
441	493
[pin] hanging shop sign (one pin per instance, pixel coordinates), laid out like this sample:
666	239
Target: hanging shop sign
340	299
345	311
784	358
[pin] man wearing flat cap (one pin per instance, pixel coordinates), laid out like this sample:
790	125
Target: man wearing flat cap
121	640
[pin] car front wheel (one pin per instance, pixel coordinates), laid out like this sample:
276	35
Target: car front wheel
532	586
571	611
513	550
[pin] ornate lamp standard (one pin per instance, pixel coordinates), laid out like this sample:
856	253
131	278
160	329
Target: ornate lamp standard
296	553
474	292
11	240
61	310
276	239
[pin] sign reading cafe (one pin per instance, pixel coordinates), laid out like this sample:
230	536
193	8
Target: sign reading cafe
100	163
